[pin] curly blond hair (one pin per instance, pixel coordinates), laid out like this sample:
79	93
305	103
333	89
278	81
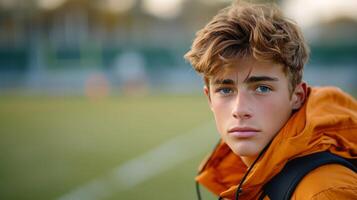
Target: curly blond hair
246	29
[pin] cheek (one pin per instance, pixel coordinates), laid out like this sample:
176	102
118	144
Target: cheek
275	112
221	112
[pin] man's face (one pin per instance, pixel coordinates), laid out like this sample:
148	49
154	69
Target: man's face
251	103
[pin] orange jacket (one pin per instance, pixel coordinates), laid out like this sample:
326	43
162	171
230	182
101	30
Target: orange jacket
326	122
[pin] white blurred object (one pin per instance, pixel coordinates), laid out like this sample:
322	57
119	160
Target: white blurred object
130	65
50	4
215	2
309	12
130	70
117	6
166	9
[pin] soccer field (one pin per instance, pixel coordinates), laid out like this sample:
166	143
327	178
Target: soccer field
71	147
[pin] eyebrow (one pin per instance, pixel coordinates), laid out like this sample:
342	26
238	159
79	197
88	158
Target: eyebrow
223	82
251	79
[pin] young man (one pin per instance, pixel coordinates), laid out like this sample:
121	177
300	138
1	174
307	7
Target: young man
252	58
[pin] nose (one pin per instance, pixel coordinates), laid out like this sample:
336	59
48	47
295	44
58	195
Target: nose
242	106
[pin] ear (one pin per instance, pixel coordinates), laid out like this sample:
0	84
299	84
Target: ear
299	95
207	93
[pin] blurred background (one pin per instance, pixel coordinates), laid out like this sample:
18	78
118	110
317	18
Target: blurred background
97	102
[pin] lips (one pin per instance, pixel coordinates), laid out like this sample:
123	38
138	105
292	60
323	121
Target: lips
243	132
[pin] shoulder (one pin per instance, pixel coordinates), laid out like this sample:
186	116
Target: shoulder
331	181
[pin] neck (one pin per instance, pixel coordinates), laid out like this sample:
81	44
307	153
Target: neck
248	161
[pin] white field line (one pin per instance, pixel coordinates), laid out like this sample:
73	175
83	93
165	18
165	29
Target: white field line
154	162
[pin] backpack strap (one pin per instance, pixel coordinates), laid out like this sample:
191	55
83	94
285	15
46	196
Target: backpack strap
282	185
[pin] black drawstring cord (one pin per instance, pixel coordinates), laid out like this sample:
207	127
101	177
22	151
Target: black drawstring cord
198	192
239	189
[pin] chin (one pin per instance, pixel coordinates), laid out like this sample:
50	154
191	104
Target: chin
246	150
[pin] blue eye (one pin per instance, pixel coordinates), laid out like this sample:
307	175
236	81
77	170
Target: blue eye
225	91
262	89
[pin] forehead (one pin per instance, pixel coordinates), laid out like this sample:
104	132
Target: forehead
241	69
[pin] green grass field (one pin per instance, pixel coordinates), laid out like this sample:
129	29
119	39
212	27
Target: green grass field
49	146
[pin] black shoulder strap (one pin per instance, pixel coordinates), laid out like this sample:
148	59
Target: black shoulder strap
282	186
